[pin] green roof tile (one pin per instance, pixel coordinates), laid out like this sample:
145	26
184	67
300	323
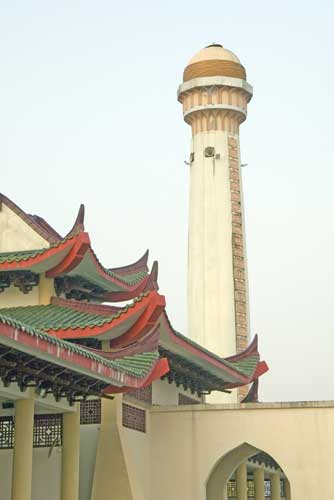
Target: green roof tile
56	317
138	365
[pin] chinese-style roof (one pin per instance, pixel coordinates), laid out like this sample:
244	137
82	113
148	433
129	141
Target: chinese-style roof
135	332
69	319
73	263
128	371
203	370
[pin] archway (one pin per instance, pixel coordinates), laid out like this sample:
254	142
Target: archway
247	473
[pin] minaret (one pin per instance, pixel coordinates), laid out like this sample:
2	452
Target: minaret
214	95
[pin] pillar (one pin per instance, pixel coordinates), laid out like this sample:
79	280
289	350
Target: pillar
46	290
276	486
287	489
259	483
23	447
241	480
70	456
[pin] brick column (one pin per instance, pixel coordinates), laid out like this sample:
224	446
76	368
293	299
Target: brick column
238	254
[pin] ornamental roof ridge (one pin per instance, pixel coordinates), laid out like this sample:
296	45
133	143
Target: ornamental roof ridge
60	316
80	305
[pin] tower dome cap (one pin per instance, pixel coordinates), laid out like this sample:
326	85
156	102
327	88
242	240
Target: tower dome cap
214	51
214	60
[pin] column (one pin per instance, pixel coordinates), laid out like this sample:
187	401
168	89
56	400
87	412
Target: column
23	447
259	483
276	486
241	480
287	489
70	456
46	290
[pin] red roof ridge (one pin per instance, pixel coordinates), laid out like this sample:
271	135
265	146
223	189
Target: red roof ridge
139	265
251	349
39	225
89	307
152	282
79	223
147	344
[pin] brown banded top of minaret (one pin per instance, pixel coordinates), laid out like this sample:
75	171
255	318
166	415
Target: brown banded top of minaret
214	60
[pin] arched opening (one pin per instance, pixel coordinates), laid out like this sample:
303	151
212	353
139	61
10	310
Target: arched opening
247	473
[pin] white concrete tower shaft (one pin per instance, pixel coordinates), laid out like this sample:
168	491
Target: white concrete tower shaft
214	95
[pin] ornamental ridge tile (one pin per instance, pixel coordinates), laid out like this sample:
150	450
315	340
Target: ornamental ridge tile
61	317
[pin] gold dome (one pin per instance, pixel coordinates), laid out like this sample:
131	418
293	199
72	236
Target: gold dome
214	60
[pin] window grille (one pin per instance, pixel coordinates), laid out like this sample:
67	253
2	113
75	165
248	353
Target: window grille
48	430
6	433
90	412
250	489
134	418
282	484
144	394
231	489
267	488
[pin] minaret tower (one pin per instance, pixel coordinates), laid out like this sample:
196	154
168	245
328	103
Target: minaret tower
214	95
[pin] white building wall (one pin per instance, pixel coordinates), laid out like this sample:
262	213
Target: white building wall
15	234
88	445
46	478
164	393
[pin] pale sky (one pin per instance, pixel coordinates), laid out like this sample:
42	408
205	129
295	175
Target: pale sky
89	114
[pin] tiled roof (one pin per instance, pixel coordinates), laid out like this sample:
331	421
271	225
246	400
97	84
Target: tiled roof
19	256
59	317
138	365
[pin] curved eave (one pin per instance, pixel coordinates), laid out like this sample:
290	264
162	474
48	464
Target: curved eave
129	325
40	261
194	353
64	355
75	257
160	369
139	266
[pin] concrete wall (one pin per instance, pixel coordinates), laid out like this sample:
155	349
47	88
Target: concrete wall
89	435
46	474
164	393
189	442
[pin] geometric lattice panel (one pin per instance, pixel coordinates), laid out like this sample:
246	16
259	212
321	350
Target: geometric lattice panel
90	412
232	489
267	488
47	430
134	418
250	489
282	484
144	394
6	433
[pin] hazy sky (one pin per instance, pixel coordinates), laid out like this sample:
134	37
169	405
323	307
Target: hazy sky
88	113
